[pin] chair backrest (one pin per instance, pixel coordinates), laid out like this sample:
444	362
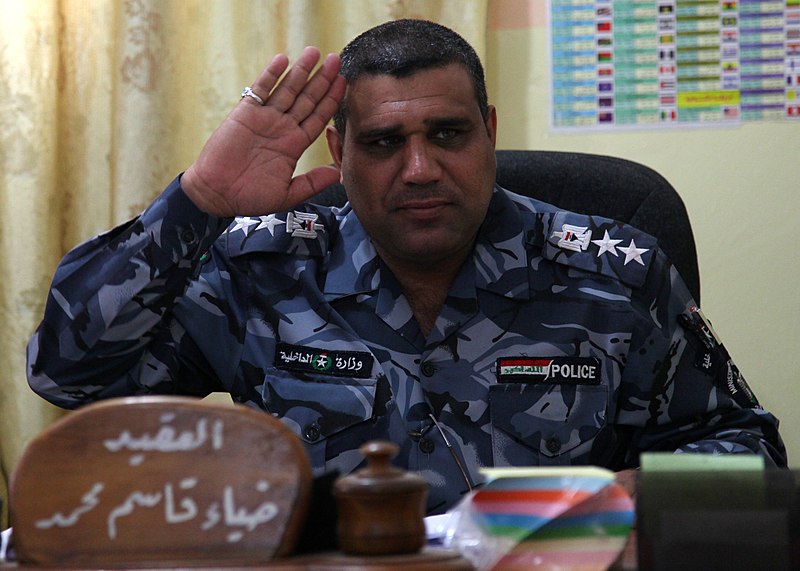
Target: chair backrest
596	184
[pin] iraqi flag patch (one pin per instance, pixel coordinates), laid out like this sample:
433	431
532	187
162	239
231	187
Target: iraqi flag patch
549	370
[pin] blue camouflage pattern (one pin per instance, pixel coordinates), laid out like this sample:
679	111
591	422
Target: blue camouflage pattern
295	314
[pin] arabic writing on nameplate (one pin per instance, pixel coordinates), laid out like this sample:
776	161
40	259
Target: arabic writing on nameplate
237	519
167	439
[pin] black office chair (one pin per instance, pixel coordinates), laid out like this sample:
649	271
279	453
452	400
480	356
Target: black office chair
596	184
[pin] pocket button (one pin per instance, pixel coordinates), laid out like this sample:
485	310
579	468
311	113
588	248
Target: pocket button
311	432
426	445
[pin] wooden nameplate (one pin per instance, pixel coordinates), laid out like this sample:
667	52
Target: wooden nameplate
159	482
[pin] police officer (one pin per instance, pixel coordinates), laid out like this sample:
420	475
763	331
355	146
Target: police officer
471	326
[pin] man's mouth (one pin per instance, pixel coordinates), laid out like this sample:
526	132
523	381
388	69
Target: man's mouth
428	208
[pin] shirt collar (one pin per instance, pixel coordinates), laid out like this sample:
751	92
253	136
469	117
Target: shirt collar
354	264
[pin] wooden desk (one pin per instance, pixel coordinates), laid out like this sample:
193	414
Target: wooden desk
175	483
427	560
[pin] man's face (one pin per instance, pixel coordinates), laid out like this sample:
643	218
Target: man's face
417	161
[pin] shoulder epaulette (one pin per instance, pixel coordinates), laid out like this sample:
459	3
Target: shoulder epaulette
599	245
304	231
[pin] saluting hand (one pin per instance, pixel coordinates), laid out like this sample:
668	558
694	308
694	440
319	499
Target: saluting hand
247	166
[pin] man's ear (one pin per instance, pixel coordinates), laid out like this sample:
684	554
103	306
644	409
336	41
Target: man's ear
335	143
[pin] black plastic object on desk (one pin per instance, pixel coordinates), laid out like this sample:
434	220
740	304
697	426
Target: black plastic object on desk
719	520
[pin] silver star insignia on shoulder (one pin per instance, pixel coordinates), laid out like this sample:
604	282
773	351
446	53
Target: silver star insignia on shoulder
243	223
606	245
269	222
632	253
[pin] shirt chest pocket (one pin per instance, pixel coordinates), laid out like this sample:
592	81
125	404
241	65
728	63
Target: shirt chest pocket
317	407
545	423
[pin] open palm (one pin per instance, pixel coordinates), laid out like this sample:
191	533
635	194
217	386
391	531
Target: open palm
247	166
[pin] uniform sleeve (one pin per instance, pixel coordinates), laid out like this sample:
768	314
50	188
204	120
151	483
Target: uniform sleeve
108	328
680	388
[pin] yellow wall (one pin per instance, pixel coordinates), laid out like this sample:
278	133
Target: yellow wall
741	186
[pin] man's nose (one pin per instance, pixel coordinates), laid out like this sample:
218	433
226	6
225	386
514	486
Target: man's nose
420	163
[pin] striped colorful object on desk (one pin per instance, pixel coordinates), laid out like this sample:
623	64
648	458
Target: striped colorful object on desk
573	519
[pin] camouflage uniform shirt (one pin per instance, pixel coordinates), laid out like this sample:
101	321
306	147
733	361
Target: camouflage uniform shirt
565	339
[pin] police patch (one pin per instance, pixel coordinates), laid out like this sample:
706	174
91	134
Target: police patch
355	364
549	370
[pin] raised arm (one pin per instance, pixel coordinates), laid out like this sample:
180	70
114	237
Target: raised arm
110	326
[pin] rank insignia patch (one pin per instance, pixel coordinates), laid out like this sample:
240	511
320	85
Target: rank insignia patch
303	224
606	245
575	238
549	370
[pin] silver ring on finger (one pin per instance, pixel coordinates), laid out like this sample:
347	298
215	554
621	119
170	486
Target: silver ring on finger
248	92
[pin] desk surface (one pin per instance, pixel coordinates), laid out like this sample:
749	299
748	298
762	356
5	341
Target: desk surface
438	559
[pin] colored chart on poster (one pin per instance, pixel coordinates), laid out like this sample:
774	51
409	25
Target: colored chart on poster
629	63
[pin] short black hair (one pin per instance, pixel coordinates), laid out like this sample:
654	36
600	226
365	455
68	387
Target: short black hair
401	48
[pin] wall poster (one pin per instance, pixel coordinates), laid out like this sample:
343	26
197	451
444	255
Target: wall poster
650	63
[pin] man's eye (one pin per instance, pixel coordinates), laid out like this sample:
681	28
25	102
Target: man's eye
387	142
445	134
